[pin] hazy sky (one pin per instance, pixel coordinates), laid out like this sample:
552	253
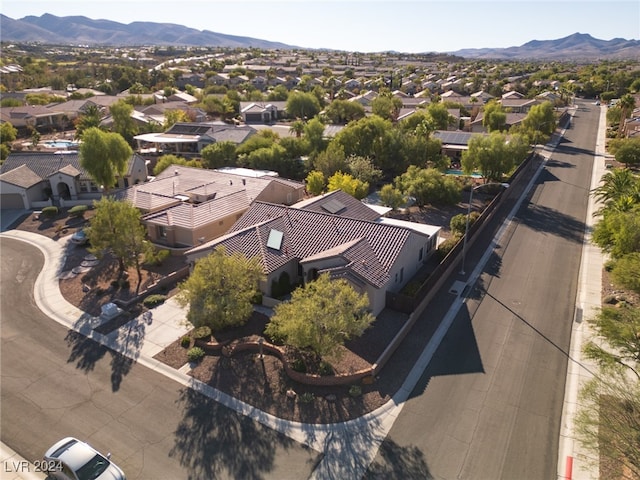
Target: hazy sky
367	25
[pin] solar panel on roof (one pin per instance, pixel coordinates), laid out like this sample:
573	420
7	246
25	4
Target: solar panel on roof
333	206
275	239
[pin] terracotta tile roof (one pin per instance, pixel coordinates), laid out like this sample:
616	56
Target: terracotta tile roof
22	176
333	201
189	215
366	248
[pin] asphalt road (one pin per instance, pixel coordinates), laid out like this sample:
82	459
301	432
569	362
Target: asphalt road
55	384
489	404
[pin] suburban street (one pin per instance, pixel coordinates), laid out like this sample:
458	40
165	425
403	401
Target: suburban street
56	384
488	406
490	402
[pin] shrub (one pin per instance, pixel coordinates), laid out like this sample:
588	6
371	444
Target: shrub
202	333
78	210
445	247
154	300
185	341
325	368
298	365
355	390
49	211
124	284
307	397
195	354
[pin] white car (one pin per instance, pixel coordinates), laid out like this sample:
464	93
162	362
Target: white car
72	459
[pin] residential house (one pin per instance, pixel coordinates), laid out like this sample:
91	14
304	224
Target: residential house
188	139
36	179
262	112
454	143
518	105
184	206
333	234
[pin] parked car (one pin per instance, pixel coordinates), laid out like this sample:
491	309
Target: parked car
79	237
72	459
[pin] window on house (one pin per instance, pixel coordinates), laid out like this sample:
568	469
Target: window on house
162	232
420	253
83	187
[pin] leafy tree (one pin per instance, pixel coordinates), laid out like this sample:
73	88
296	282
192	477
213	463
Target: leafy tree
278	94
332	160
314	134
171	117
315	182
540	123
458	223
8	132
363	169
116	227
263	139
440	116
369	137
494	117
89	119
386	106
302	105
492	155
618	232
428	185
391	196
345	182
104	156
341	112
628	153
219	154
220	289
626	272
166	161
321	316
122	122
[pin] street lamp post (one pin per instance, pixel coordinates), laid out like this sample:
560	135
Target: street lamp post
466	229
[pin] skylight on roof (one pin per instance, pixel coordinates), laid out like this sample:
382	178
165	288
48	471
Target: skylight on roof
275	239
333	206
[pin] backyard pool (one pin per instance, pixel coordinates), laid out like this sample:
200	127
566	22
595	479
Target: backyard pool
451	171
61	144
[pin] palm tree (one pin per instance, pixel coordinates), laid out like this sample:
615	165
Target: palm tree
617	189
297	127
627	103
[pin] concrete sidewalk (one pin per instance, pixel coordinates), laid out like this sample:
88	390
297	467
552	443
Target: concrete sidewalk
14	467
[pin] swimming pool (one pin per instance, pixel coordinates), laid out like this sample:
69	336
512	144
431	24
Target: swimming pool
451	171
61	144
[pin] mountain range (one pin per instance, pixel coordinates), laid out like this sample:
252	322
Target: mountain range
80	30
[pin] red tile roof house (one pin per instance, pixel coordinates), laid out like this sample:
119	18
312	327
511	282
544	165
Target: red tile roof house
334	234
184	206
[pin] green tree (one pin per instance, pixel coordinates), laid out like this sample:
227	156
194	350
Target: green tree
440	116
116	228
122	121
315	182
314	134
341	112
386	106
89	119
220	289
494	117
363	169
491	155
628	152
321	316
345	182
8	133
540	123
391	196
618	232
297	128
171	117
104	156
332	160
166	161
617	185
626	272
302	105
219	154
428	185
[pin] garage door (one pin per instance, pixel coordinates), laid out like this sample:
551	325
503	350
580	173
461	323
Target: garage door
11	200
